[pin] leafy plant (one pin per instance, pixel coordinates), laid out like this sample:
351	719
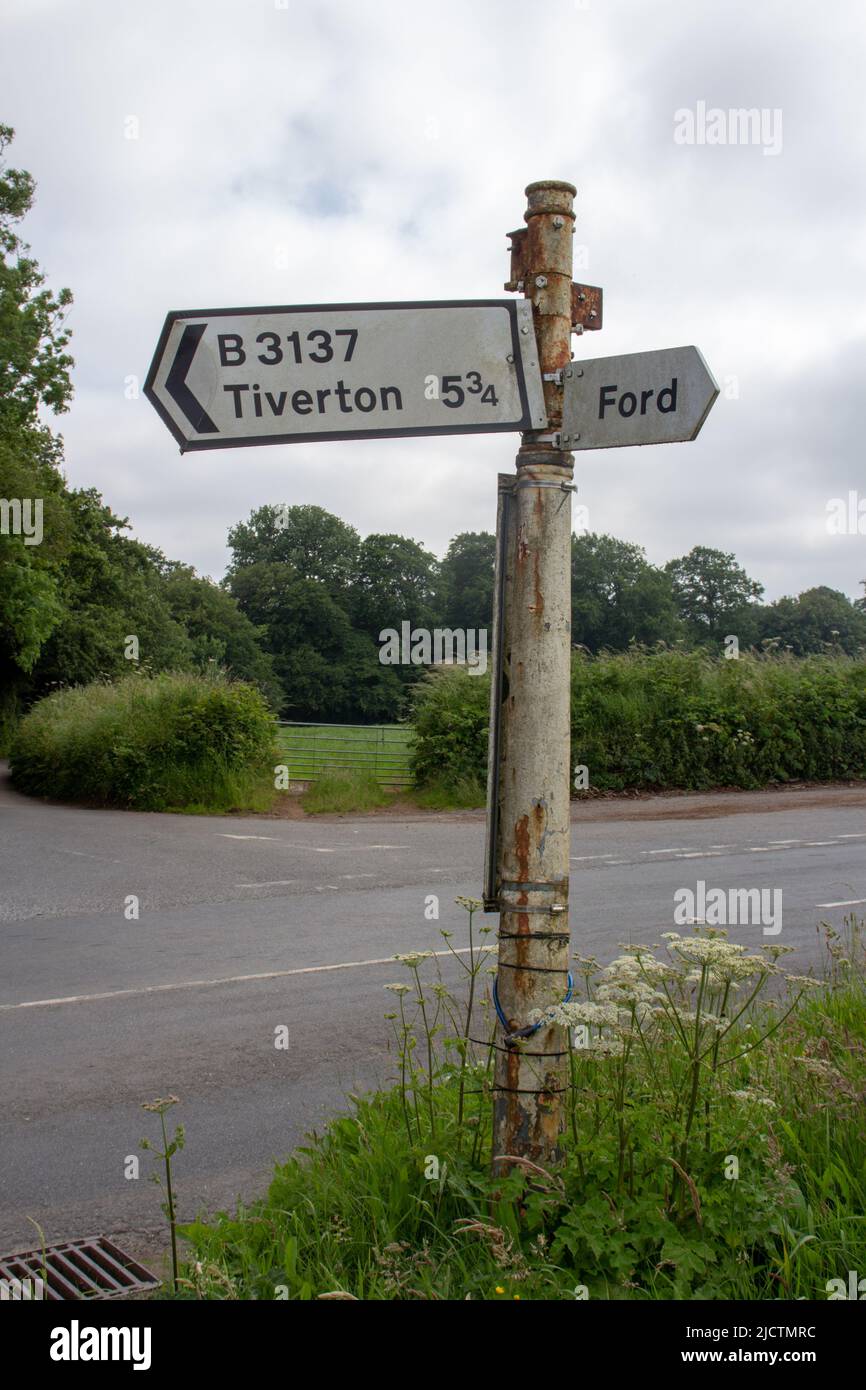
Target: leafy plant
153	743
694	1054
169	1148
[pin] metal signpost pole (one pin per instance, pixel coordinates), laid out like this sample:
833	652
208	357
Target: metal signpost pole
532	839
227	378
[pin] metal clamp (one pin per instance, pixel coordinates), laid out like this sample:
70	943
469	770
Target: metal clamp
544	482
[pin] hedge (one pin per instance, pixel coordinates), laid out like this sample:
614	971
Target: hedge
153	743
670	719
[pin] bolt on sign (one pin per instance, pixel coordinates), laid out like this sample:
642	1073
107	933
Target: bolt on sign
221	378
660	397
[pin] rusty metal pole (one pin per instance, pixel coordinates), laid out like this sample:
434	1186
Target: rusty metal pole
532	857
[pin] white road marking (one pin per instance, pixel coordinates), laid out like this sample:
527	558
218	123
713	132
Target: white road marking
813	844
699	854
757	849
311	849
357	875
850	902
224	835
82	854
576	857
224	980
859	835
723	846
269	883
672	849
785	842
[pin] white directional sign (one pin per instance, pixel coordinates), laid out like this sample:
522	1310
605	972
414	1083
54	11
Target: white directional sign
640	398
227	377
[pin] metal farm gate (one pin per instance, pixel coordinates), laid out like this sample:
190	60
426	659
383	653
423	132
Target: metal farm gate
312	749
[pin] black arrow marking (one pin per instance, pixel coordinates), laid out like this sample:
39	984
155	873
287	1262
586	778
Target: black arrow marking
175	382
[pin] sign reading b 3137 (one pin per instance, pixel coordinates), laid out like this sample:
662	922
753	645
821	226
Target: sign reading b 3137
221	378
658	397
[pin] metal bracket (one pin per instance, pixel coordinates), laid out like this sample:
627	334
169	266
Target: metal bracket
518	909
518	260
586	307
550	437
507	482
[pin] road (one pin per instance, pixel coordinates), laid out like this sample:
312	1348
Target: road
247	925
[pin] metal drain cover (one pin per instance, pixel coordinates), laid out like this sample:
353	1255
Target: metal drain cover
78	1269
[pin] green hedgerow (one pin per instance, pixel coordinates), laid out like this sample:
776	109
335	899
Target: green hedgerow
150	743
657	719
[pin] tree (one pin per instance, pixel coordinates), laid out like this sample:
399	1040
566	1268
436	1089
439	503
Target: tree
112	589
617	596
219	632
327	670
34	365
714	595
465	596
31	603
396	583
818	619
317	545
34	372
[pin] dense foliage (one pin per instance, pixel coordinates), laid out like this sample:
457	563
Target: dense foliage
668	718
159	743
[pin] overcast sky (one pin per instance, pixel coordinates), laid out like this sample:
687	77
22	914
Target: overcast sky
309	151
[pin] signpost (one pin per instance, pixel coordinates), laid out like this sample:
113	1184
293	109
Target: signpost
221	378
640	398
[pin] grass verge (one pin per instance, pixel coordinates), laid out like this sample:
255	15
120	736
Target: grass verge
343	791
748	1184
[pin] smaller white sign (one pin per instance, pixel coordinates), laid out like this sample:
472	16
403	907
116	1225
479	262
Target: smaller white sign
660	397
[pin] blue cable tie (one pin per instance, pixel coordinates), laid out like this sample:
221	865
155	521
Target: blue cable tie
531	1028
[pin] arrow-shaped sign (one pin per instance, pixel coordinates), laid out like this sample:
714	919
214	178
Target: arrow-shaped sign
658	397
225	377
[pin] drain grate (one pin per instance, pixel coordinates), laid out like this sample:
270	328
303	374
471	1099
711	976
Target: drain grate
78	1269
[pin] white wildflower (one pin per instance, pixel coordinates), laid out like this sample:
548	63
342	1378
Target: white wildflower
413	958
752	1097
585	1011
